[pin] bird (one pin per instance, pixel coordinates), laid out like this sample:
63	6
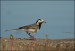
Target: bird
32	28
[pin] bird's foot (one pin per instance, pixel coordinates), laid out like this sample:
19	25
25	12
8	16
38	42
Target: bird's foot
32	38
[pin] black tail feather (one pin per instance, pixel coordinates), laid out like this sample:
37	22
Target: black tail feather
12	29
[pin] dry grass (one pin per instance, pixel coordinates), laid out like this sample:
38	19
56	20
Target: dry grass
37	45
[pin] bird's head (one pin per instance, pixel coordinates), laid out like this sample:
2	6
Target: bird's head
40	21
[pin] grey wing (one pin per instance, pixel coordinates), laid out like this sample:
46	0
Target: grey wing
32	26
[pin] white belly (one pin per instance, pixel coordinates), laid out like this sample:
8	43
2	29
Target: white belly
31	30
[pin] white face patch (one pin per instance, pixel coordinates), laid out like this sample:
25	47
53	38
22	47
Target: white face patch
40	21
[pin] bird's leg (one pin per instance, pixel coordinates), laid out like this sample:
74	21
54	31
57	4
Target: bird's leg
32	37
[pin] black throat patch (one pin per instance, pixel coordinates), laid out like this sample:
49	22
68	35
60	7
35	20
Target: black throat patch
40	25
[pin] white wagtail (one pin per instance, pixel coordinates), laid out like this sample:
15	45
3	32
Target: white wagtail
33	28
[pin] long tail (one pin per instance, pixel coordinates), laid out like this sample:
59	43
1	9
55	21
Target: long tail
12	30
